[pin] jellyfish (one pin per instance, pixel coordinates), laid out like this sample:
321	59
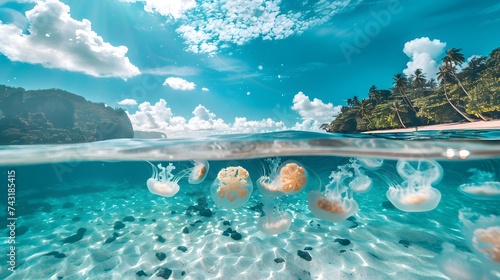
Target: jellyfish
482	234
268	185
335	204
484	185
232	187
424	171
287	178
416	194
371	163
275	220
292	178
199	172
458	265
164	183
361	183
412	198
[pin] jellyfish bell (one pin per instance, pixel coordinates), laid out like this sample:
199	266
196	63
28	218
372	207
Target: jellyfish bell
484	191
487	241
371	163
411	198
424	171
361	183
482	234
199	172
458	265
331	208
232	188
292	177
269	187
484	185
335	204
275	221
163	182
268	184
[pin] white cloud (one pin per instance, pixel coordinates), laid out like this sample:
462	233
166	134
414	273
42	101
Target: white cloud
313	113
242	125
179	83
56	40
127	102
159	117
203	119
168	8
215	24
423	53
156	117
205	89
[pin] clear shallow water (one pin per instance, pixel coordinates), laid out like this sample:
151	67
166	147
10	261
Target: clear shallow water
129	232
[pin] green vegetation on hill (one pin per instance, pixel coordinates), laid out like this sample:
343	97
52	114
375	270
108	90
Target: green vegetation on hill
55	116
469	95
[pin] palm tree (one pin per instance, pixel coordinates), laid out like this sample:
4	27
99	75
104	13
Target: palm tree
432	83
355	100
443	76
373	95
418	78
350	102
455	58
363	112
326	127
395	105
401	83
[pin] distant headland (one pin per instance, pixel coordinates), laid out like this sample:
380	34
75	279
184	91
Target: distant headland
54	116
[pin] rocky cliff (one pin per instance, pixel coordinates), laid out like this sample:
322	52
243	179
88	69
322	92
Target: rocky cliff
55	116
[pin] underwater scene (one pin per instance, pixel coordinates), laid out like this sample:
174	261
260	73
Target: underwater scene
318	206
250	139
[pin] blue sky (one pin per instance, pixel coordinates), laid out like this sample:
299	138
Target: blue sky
220	66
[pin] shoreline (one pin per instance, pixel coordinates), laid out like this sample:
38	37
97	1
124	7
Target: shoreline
493	124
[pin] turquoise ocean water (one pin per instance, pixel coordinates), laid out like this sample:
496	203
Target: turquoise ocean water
84	211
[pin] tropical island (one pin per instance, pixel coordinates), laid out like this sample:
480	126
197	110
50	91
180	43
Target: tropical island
55	116
460	94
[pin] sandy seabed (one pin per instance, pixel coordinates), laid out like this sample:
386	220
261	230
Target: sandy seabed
133	234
